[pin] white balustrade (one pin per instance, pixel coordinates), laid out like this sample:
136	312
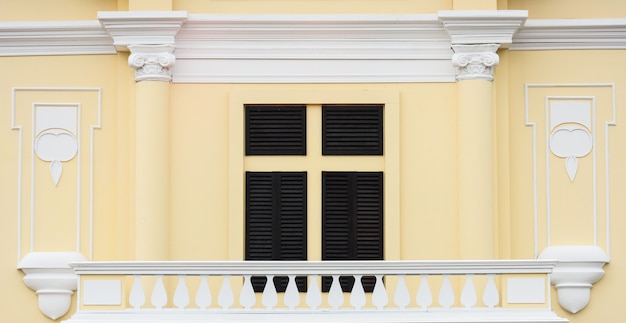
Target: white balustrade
419	286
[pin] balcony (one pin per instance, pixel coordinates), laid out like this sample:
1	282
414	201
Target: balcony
395	291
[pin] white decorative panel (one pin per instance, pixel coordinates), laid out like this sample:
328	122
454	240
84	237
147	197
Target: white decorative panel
526	290
102	292
55	150
571	166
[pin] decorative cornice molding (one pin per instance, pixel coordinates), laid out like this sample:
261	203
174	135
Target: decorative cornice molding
152	62
558	34
482	26
313	36
142	27
54	38
475	62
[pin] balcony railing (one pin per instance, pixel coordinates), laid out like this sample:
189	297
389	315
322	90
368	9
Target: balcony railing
394	291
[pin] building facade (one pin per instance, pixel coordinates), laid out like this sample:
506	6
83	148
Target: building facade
169	160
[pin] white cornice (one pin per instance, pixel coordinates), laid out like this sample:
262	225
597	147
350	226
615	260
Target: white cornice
309	48
482	26
313	36
571	34
54	38
142	27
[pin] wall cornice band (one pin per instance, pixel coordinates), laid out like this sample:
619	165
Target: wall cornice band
309	48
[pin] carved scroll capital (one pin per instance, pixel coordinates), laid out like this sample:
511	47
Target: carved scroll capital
152	62
475	62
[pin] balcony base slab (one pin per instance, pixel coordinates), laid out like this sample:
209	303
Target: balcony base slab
334	316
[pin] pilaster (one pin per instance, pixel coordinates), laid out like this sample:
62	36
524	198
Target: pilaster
150	38
475	37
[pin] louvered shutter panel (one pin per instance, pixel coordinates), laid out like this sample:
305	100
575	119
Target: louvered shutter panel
275	129
352	129
276	221
352	220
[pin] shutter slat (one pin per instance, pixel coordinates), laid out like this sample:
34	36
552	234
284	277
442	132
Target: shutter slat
275	130
352	130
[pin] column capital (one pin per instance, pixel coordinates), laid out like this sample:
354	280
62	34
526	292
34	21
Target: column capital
152	62
475	62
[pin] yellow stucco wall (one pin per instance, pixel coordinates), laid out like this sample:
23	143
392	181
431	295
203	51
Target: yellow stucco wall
200	158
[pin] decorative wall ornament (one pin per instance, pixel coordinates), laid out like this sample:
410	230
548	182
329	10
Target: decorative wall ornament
571	127
475	62
152	62
56	137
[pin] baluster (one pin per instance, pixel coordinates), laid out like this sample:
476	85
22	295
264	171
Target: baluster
203	295
335	294
269	298
247	298
424	297
291	297
225	297
357	296
468	296
137	297
446	295
402	297
159	295
379	296
491	297
313	294
181	295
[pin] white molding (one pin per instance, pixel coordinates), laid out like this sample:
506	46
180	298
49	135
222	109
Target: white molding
330	316
562	34
482	26
142	27
311	71
354	267
18	127
54	38
607	124
313	37
312	49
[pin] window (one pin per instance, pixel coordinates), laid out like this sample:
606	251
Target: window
276	200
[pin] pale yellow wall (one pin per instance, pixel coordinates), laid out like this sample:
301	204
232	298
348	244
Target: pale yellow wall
570	225
567	9
55	229
200	159
43	10
199	131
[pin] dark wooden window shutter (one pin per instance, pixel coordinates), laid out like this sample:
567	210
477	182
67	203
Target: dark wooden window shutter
275	129
352	220
276	218
352	129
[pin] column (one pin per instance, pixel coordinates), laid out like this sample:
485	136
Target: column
475	36
150	38
475	65
152	64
